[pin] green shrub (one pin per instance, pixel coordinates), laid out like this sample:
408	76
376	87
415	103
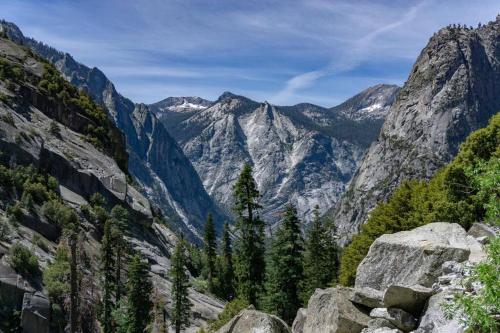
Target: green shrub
54	128
200	285
230	310
481	309
38	241
23	261
56	275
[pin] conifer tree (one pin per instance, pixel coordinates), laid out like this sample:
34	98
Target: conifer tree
107	271
210	251
285	271
249	245
226	272
120	218
181	307
320	257
139	304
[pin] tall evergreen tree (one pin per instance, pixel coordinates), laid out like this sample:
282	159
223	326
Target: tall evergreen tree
181	308
120	218
140	288
210	251
285	271
226	271
249	245
107	271
320	257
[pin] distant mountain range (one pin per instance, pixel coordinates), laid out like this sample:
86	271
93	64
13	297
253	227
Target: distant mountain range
304	154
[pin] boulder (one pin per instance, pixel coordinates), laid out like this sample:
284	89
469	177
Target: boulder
415	257
411	299
381	330
434	320
369	297
35	315
329	310
12	287
251	321
480	230
300	319
380	323
401	319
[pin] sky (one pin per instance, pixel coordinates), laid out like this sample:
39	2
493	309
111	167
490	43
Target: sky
284	52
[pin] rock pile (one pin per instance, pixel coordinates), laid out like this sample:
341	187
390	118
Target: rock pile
400	285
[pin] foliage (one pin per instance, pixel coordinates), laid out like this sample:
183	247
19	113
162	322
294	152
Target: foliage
139	287
464	191
225	288
107	272
23	261
249	245
38	241
181	306
56	275
320	257
481	309
285	268
210	251
230	310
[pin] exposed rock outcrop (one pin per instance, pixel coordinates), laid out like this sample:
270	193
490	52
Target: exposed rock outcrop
369	297
451	91
35	315
252	321
416	256
166	176
329	310
412	299
399	318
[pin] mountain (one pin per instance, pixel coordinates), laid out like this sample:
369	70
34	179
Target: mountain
57	149
304	154
155	160
453	89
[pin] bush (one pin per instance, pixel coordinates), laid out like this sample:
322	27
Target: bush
38	241
56	275
481	309
230	310
23	261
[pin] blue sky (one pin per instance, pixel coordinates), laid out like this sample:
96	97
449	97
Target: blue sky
285	52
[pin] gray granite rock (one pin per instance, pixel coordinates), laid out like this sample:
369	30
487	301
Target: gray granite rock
451	91
329	310
481	230
416	256
434	320
412	299
35	314
299	321
401	319
369	297
252	321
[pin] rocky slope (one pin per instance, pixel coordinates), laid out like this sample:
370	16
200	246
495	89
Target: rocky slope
452	90
50	131
156	162
304	154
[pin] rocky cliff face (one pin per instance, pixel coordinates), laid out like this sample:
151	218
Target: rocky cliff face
452	90
50	133
304	154
155	160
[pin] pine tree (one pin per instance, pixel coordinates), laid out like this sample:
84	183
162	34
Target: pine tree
120	218
139	295
181	308
249	245
226	271
320	257
107	270
285	271
210	251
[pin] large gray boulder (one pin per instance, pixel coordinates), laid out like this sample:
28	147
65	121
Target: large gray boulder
399	318
434	319
330	311
35	315
300	319
412	299
481	230
381	330
369	297
416	257
253	321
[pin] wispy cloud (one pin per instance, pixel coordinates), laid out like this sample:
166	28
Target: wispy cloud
359	50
